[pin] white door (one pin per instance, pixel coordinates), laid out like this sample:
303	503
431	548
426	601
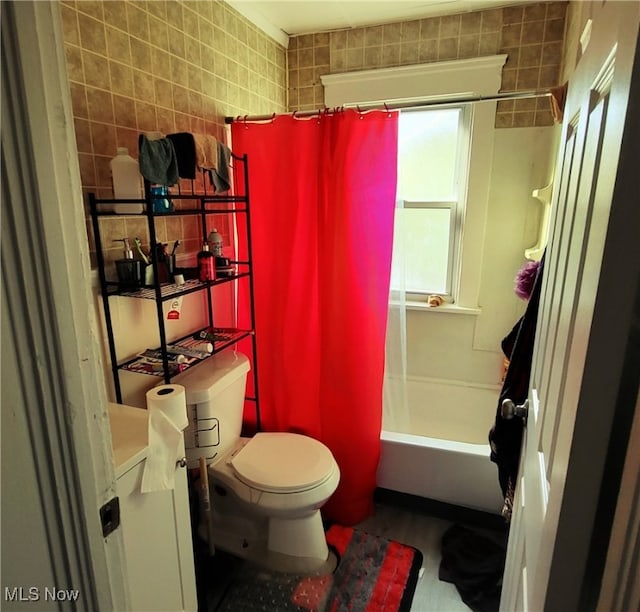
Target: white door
584	322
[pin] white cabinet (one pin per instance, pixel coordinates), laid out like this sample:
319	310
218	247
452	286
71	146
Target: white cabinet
156	526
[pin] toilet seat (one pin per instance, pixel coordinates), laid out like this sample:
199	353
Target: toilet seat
283	463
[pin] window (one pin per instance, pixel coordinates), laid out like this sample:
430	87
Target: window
460	255
433	148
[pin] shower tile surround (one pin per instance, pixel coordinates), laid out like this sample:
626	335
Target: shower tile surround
165	66
531	36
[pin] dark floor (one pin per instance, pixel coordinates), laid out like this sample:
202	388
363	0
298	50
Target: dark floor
413	521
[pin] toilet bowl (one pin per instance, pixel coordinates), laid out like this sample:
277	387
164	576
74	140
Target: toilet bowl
266	491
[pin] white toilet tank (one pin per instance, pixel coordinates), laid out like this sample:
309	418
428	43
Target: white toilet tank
215	391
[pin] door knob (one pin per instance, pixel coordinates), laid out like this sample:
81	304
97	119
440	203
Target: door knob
181	462
510	410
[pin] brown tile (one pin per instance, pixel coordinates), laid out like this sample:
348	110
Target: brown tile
505	106
468	46
159	9
410	31
513	57
141	55
535	12
118	45
429	28
70	25
549	76
79	100
192	50
338	41
160	62
355	58
543	118
373	36
428	50
83	135
94	8
447	49
179	72
511	35
489	43
103	138
96	70
174	15
121	79
138	22
143	86
527	78
533	32
124	111
159	33
100	105
87	169
504	120
554	30
557	10
449	26
146	117
306	41
92	35
128	138
305	96
509	78
471	23
391	33
321	39
552	53
194	74
391	55
373	57
339	60
321	56
180	99
526	119
512	14
491	21
177	43
115	14
530	55
75	69
410	53
182	122
305	58
355	38
524	104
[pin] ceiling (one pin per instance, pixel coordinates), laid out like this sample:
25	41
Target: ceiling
284	18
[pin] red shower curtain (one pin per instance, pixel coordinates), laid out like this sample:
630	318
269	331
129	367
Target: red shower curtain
322	205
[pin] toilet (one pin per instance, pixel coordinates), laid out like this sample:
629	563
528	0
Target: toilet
265	491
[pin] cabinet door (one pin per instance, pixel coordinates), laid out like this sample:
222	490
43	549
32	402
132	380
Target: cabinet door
158	546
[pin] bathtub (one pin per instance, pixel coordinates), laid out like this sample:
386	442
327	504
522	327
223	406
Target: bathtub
438	448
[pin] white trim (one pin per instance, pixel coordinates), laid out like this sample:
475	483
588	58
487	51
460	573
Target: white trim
53	340
260	21
453	79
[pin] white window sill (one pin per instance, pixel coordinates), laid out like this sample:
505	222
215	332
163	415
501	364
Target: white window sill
444	308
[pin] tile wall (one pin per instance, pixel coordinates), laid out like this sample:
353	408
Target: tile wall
531	36
168	66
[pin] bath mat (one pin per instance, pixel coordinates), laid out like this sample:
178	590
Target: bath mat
373	575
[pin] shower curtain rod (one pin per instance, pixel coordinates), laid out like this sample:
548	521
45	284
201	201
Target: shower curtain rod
516	95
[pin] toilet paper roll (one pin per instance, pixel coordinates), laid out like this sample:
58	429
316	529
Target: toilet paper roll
167	417
178	279
172	400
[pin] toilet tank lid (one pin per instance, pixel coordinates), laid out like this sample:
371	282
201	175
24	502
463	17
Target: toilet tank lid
213	375
283	462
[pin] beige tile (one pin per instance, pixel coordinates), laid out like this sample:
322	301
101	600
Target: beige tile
158	8
391	55
100	105
138	22
115	14
179	74
355	38
141	55
491	21
471	23
121	79
79	100
92	35
321	39
447	48
75	69
410	31
489	43
96	70
410	52
526	119
146	116
103	138
373	57
192	50
306	41
450	26
373	36
391	33
118	45
468	46
525	104
70	25
194	78
174	14
321	56
428	51
429	28
158	33
160	62
143	86
180	99
83	135
94	8
338	41
124	111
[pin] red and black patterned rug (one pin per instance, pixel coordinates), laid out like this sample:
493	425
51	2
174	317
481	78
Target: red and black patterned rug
373	574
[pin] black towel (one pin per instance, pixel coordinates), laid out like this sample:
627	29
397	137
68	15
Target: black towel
157	161
185	148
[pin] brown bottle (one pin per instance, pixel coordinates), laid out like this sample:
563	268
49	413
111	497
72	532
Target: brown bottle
206	264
